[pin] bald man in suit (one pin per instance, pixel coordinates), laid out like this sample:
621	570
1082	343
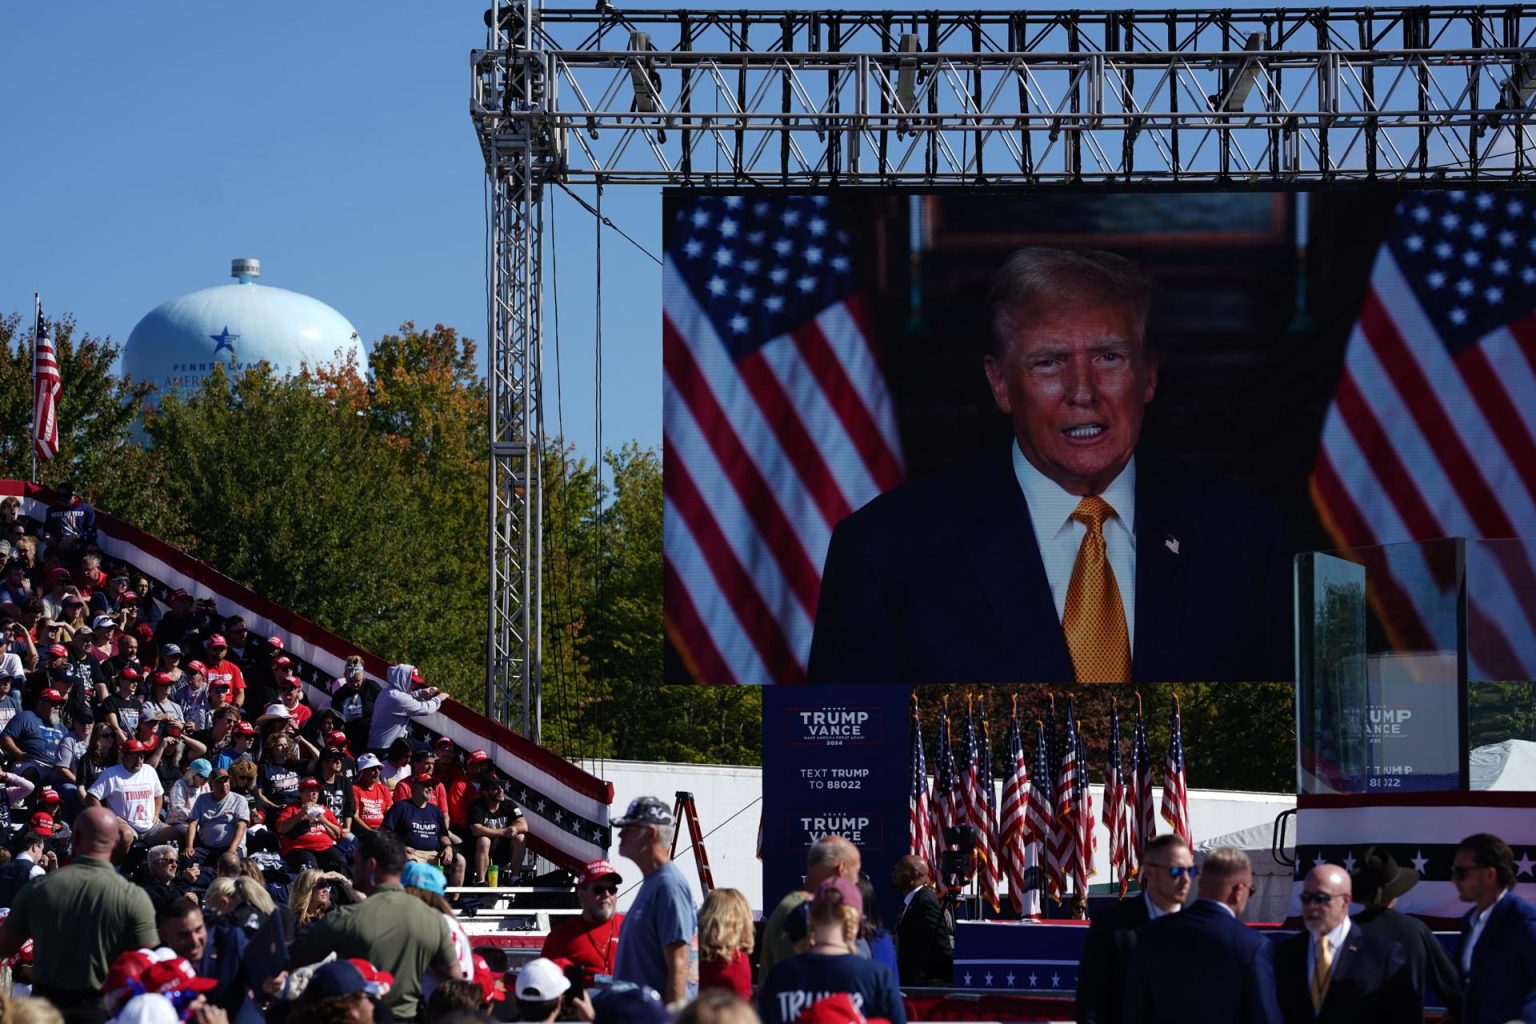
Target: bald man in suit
1335	972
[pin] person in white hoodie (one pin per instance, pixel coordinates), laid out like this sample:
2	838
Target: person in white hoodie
406	696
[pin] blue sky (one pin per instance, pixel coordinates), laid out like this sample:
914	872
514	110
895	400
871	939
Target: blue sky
153	143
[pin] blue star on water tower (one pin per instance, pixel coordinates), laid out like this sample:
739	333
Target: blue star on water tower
178	342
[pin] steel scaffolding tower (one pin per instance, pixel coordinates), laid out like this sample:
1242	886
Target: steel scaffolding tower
936	100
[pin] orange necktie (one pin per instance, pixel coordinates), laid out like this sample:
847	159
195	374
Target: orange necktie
1094	618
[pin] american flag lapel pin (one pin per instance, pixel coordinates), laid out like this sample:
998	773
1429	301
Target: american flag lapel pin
1172	544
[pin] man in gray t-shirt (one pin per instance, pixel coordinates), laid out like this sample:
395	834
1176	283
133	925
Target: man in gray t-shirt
218	820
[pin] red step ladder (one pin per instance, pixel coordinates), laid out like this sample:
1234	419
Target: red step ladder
686	808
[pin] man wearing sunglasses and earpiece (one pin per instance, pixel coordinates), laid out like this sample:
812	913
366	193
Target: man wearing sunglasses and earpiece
1203	965
1167	872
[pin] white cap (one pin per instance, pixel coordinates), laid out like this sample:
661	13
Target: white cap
149	1008
541	981
277	711
368	761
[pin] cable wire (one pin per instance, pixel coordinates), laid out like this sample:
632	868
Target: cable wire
606	222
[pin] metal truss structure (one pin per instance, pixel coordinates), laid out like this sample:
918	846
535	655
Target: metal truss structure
945	99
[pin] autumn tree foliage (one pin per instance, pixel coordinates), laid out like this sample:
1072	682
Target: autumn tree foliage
359	499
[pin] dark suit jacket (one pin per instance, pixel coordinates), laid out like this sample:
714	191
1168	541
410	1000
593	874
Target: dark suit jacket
1370	982
1502	983
1428	962
941	580
925	944
1201	966
1106	963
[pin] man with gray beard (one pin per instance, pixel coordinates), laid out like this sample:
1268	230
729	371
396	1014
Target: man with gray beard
589	940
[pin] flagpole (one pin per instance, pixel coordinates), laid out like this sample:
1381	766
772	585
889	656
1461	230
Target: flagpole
37	325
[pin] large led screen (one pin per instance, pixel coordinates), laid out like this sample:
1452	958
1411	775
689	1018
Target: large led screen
884	411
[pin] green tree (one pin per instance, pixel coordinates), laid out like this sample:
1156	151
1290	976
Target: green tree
97	414
603	626
287	491
424	401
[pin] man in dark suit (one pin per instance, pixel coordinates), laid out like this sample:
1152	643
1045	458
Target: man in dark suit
1337	972
1498	935
1066	556
1202	965
1378	881
1165	877
925	941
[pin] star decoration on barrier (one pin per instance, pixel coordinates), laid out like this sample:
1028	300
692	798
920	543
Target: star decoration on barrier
967	978
987	978
1524	865
1033	979
1055	980
1319	860
1349	862
1420	861
1010	979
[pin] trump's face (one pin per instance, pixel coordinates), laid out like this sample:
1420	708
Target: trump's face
1076	384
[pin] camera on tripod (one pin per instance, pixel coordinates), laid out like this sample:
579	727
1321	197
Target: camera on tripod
957	861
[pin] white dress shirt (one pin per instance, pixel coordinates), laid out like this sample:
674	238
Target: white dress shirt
1153	912
1059	536
1477	932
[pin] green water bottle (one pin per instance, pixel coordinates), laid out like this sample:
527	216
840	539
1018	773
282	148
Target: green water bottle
491	875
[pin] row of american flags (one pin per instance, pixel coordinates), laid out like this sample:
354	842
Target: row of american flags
1038	835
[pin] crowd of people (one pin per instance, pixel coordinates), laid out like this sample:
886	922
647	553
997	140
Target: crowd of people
191	836
190	839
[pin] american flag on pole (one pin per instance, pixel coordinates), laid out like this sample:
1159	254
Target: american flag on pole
1114	804
994	863
1082	818
1175	792
919	814
1040	812
948	789
1143	816
45	389
976	808
1061	851
1017	855
1432	430
776	424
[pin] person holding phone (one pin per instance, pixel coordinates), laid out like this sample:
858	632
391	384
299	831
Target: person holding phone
307	832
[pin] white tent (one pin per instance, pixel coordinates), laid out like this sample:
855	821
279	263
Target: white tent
1271	879
1508	766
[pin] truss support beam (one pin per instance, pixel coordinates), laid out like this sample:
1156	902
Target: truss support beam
942	99
938	98
518	163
